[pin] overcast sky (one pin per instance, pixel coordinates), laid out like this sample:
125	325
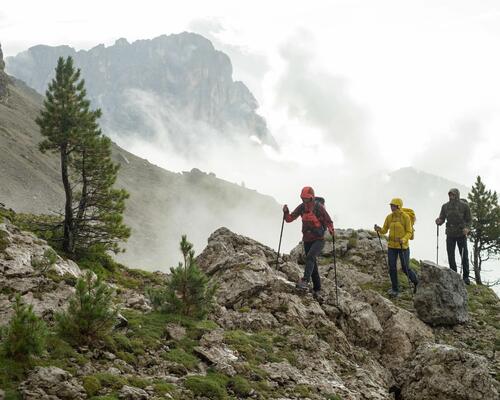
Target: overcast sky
412	82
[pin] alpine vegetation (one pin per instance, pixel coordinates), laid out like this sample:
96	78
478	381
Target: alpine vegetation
26	333
91	314
188	291
485	226
93	208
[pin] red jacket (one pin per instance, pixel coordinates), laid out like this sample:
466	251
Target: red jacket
315	220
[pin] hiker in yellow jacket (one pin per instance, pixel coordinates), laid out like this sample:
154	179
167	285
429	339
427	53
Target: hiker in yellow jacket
400	229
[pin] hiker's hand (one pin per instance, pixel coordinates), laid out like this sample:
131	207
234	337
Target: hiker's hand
376	228
332	232
439	221
466	231
285	209
401	241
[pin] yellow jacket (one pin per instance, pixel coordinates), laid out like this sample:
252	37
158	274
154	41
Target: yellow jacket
399	226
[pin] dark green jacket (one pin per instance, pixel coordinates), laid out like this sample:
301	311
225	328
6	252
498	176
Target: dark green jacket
457	215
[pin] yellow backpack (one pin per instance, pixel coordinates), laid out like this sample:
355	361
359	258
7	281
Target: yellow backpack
413	219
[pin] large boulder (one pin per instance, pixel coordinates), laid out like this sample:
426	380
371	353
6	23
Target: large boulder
445	372
51	383
441	298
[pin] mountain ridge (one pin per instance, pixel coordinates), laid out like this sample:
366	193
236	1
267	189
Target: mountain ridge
182	74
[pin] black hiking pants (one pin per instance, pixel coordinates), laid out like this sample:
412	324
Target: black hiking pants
313	250
451	243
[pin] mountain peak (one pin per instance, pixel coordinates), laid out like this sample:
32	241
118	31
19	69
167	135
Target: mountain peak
176	86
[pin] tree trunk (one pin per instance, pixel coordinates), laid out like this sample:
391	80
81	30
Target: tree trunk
68	241
82	206
477	263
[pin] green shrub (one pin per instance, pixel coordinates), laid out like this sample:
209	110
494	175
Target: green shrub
26	333
44	262
47	227
240	386
206	386
187	291
162	388
90	315
110	381
181	357
92	385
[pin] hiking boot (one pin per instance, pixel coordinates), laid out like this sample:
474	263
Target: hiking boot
393	293
316	294
467	281
302	284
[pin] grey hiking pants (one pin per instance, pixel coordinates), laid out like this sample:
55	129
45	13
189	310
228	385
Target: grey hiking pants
313	250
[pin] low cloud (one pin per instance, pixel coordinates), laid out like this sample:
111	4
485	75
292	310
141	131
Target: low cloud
321	100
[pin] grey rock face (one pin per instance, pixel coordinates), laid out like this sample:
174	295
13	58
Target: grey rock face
182	76
51	383
20	273
445	372
3	77
132	393
441	298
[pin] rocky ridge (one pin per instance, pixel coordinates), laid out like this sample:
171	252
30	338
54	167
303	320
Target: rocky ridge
263	340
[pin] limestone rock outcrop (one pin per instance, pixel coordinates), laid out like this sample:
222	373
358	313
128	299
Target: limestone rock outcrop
444	372
51	383
26	270
441	298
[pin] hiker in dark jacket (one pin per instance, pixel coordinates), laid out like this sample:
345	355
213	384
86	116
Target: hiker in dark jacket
315	222
458	219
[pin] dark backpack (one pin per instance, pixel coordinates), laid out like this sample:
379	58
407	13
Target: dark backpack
318	202
455	217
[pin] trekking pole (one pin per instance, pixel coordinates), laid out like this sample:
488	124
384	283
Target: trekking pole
407	268
279	245
462	260
382	248
335	271
437	245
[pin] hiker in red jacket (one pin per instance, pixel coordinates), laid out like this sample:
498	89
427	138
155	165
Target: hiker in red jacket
315	222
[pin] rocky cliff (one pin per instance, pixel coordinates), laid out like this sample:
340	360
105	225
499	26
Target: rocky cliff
3	77
264	339
177	88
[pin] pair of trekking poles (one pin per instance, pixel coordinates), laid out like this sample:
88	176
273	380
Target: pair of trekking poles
334	260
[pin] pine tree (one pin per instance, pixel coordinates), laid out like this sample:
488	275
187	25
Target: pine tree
188	291
91	314
485	229
93	209
25	334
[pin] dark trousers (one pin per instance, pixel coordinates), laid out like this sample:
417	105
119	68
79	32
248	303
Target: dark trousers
404	258
313	250
461	241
